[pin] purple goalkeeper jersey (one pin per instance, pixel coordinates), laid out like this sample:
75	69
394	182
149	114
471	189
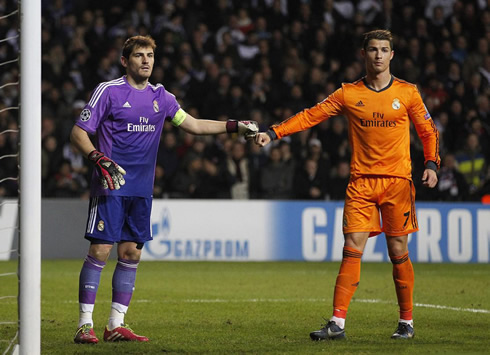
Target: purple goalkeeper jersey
127	124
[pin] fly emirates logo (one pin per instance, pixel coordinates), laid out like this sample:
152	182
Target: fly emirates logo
377	121
142	126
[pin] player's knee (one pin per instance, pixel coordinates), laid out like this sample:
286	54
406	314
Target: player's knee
129	250
397	249
100	251
397	246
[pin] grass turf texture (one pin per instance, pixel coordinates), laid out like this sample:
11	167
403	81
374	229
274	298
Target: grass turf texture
230	308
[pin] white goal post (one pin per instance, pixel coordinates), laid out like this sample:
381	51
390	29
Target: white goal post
30	179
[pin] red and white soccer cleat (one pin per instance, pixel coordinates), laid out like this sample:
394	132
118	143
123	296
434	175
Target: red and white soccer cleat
122	333
85	335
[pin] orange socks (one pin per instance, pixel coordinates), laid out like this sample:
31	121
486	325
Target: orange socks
404	280
349	276
347	281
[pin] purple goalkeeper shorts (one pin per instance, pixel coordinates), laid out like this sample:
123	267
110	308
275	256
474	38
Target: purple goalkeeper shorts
119	218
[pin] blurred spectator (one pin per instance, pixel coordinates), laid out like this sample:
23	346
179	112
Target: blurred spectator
476	57
309	183
322	159
51	160
287	156
76	159
66	182
452	185
338	183
335	140
215	181
483	107
168	159
434	94
238	168
257	159
195	150
161	186
186	181
484	70
453	76
231	29
446	135
276	179
239	105
471	163
140	16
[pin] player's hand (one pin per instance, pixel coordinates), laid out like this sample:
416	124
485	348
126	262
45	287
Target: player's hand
110	173
262	139
247	129
429	178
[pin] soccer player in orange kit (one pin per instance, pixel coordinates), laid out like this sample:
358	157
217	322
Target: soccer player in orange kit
379	108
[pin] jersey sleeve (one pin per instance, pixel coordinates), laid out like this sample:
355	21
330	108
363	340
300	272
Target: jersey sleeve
96	110
330	107
172	107
425	127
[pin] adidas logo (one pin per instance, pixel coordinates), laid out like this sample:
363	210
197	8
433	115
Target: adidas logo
127	104
359	104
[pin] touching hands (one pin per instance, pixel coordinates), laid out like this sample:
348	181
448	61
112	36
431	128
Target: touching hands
262	139
246	129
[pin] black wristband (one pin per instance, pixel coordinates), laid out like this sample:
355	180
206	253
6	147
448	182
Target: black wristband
272	134
431	165
94	155
231	126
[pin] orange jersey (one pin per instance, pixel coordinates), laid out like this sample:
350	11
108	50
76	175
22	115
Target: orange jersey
379	126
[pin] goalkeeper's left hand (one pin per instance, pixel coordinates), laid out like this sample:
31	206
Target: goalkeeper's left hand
247	129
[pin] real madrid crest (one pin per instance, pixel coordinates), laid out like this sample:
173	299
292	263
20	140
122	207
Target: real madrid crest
100	225
155	106
395	104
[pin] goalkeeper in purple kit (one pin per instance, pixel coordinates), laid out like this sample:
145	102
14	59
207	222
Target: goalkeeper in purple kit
126	118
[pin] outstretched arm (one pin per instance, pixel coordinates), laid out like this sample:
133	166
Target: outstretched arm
247	129
201	127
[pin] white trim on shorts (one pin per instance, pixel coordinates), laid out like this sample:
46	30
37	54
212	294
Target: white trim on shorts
92	215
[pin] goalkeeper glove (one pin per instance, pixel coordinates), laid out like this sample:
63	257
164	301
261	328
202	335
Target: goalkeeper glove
111	174
247	129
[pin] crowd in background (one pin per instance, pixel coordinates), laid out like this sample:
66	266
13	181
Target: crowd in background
261	60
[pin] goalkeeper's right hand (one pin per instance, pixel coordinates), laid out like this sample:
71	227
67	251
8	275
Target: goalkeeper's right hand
247	129
111	174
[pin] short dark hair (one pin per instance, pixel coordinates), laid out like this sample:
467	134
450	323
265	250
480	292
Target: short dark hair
382	35
137	41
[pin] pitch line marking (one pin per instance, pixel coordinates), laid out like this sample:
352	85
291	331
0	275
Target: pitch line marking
288	300
285	300
426	305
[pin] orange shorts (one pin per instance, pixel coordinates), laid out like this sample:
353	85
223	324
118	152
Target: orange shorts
369	197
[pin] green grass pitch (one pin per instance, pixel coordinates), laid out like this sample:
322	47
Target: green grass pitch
262	307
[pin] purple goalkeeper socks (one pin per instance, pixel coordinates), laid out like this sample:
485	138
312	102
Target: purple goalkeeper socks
89	280
123	281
